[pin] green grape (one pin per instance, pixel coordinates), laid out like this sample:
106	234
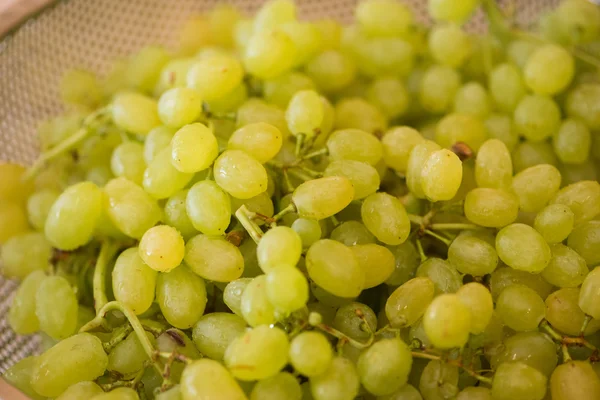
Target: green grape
278	387
221	385
493	165
506	87
194	148
227	105
406	392
174	393
408	302
261	204
255	110
588	301
19	376
286	288
437	88
383	56
308	230
12	186
129	208
269	54
572	142
159	138
356	320
280	90
554	222
128	356
79	87
25	253
364	177
255	306
383	18
578	21
445	278
333	266
566	268
585	240
215	331
339	382
75	359
161	178
354	144
583	198
239	174
520	308
274	13
122	393
397	145
181	295
304	113
232	295
214	258
479	301
517	380
572	173
447	321
518	51
535	349
439	381
521	247
492	208
331	33
472	255
306	38
416	161
377	261
312	206
389	95
504	277
384	367
162	248
173	74
472	99
179	106
133	282
209	208
464	128
310	353
223	19
529	154
21	314
135	113
143	68
441	175
449	45
352	233
564	314
385	217
56	307
81	390
175	215
99	175
213	77
175	340
356	114
259	353
407	262
549	81
279	246
38	207
71	222
331	71
582	103
537	117
128	161
261	140
451	11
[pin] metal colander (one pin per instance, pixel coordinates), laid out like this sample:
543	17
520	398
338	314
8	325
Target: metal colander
90	34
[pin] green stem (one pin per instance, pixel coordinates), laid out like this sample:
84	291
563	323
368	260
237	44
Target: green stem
441	227
291	208
300	175
299	144
321	152
244	216
565	353
311	172
288	184
335	333
118	336
107	252
438	237
427	356
415	219
585	324
421	252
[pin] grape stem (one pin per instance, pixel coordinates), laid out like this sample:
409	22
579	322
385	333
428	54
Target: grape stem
118	336
438	237
291	208
421	252
456	363
321	152
565	353
245	217
415	219
299	144
566	340
107	252
341	336
584	325
173	356
310	172
453	226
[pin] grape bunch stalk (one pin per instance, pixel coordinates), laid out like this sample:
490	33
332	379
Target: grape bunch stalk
280	209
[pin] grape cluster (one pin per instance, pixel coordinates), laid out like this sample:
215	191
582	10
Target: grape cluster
287	210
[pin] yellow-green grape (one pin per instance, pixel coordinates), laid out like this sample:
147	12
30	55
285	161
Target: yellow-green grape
261	204
505	276
179	106
286	288
12	185
99	175
397	145
255	306
161	178
389	95
128	161
582	102
81	390
209	208
130	208
194	148
280	90
223	19
214	77
566	268
449	45
214	258
175	215
493	165
356	113
304	113
407	261
309	231
518	51
464	128
492	208
537	117
135	112
535	349
261	140
38	207
311	205
352	233
549	81
521	247
506	87
280	386
447	321
23	254
520	308
438	380
181	295
75	359
416	160
128	356
310	353
13	220
354	144
452	11
71	221
384	367
221	385
174	393
215	331
255	110
574	380
572	142
385	217
583	198
472	99
339	382
585	240
122	393
159	138
333	267
356	320
232	295
407	304
478	300
377	261
133	282
331	71
274	13
364	177
173	74
21	315
445	278
162	248
269	54
564	314
327	299
517	380
331	33
579	22
588	296
383	18
407	392
306	38
441	175
437	88
228	104
143	68
279	246
258	354
383	56
80	88
239	174
472	255
194	34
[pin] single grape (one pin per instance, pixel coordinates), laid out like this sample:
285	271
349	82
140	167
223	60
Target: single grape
181	295
554	222
286	288
583	198
352	233
481	306
528	154
493	165
269	54
311	205
516	380
441	175
356	320
213	77
384	367
445	278
573	380
215	331
23	254
506	276
472	255
438	380
261	140
535	349
179	106
582	103
564	314
383	18
447	10
449	45
377	261
473	99
214	258
447	321
520	308
175	215
572	142
354	144
232	294
364	177
415	164
162	248
220	385
255	306
310	353
437	88
161	178
279	246
21	314
38	207
566	268
133	282
281	386
464	128
308	230
128	161
537	117
143	68
304	113
521	247
390	96
385	217
491	207
158	139
383	56
135	112
339	382
128	356
331	70
81	390
209	208
194	148
408	302
397	145
549	81
239	174
56	307
506	86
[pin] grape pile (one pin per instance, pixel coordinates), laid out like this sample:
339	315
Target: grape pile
286	210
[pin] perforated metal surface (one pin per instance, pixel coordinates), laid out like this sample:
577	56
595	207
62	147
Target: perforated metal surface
90	34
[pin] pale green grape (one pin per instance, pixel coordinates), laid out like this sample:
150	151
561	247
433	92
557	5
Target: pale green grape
39	205
331	70
585	240
133	282
23	254
574	380
521	247
122	393
377	261
333	266
535	349
161	178
261	204
255	110
537	117
339	382
158	139
383	56
310	353
75	359
364	177
181	295
397	145
406	392
143	68
209	208
535	186
564	314
19	376
227	105
71	222
261	140
583	198
356	320
493	165
566	268
128	161
528	154
390	96
407	261
304	113
384	367
56	307
128	356
354	144
255	306
408	302
179	106
452	11
449	45
572	143
578	21
447	321
472	255
493	208
175	340
280	90
472	99
162	248
215	331
175	215
13	187
383	18
194	148
239	174
213	77
21	314
80	87
414	168
554	222
479	301
506	86
520	308
214	258
99	175
445	278
437	88
274	13
81	390
385	217
286	288
278	387
221	385
306	38
279	246
173	74
441	175
232	295
309	231
352	233
135	113
517	380
438	381
588	296
549	81
354	113
269	54
582	102
464	128
311	205
505	276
